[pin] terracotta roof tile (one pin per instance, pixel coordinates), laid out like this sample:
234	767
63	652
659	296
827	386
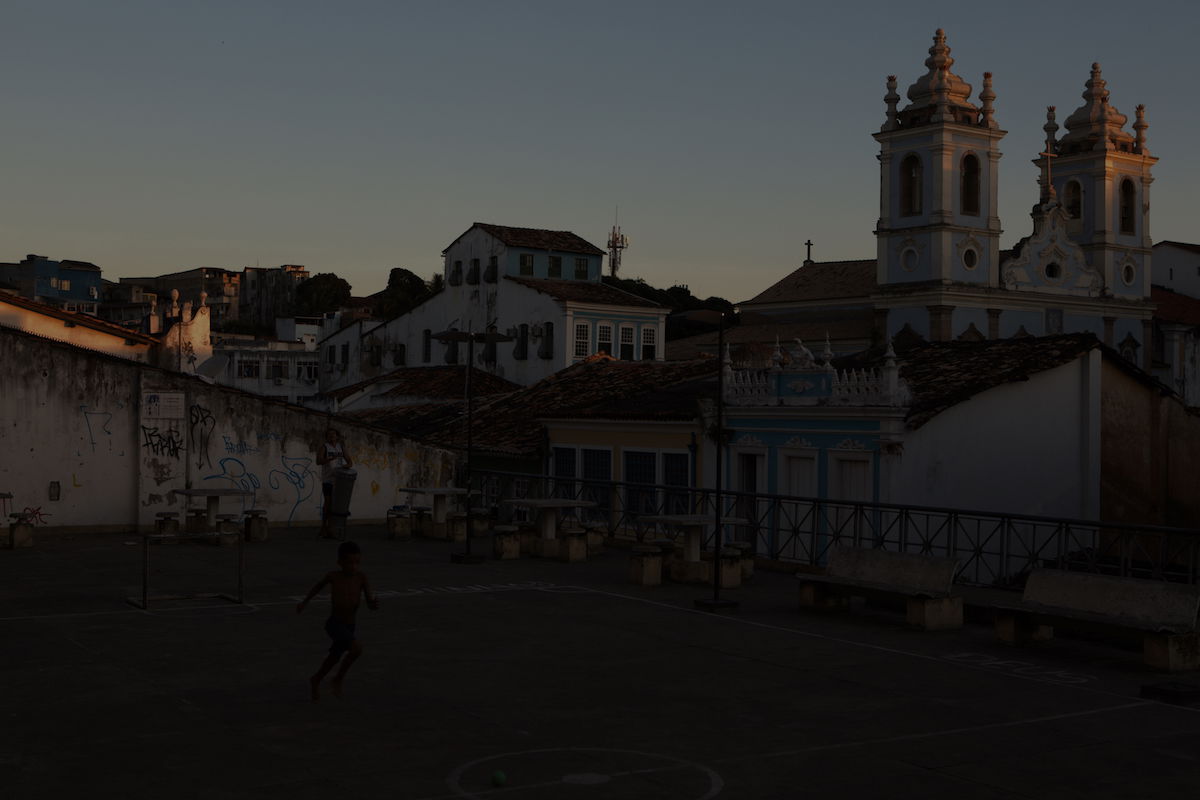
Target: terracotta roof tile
1175	307
822	280
584	292
760	336
509	423
1193	248
941	375
537	239
442	382
82	320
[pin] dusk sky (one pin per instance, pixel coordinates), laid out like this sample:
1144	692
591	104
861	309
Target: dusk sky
152	137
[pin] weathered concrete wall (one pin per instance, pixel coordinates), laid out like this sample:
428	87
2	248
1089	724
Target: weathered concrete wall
117	437
1150	450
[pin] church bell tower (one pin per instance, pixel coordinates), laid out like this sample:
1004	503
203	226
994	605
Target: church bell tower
939	158
1100	173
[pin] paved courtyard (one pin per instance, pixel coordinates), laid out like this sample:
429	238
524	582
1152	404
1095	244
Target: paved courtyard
565	678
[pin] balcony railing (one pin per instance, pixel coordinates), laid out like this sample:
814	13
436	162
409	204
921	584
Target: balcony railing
996	550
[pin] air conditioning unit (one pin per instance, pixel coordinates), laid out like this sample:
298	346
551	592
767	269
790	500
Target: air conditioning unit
537	331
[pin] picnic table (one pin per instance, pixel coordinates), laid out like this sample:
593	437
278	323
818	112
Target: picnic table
441	498
693	526
213	498
548	509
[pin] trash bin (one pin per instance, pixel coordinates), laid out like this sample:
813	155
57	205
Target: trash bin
343	488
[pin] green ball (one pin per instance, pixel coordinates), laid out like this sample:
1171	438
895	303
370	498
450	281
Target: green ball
498	778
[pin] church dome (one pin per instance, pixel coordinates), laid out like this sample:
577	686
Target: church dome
939	94
1096	122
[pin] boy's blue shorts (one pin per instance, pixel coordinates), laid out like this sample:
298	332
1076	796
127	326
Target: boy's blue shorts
342	635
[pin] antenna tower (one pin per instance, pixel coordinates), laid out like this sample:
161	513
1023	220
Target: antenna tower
617	242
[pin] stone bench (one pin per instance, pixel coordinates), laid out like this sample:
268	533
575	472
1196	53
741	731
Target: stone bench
925	582
456	526
20	531
166	522
1162	614
399	522
645	565
228	530
255	525
197	520
573	545
745	558
506	542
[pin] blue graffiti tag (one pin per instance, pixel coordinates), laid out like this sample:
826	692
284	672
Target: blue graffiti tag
234	471
298	472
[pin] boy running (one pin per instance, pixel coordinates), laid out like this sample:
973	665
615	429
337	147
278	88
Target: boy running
346	586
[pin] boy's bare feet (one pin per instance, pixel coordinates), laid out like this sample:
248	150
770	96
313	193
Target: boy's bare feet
315	683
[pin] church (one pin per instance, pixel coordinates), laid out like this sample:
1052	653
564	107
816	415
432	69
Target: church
940	273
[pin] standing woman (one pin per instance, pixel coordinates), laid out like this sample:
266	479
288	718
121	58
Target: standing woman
331	455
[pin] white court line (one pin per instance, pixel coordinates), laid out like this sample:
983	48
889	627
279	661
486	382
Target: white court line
931	734
885	649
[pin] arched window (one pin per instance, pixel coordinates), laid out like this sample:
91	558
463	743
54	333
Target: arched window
969	186
1074	200
910	186
1128	199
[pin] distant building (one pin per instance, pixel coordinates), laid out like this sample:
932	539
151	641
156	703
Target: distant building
222	286
69	285
269	293
279	370
542	288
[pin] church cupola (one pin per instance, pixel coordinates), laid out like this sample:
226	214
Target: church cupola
1101	174
939	158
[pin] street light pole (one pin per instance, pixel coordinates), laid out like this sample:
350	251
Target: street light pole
715	603
470	337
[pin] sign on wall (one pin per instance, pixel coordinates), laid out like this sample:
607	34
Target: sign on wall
162	405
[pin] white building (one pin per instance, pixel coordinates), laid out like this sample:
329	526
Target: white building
542	288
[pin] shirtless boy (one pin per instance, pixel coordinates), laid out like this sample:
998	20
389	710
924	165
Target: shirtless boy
346	587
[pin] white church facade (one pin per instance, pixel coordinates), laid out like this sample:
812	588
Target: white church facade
940	272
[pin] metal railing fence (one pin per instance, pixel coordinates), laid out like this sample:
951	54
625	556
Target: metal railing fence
996	550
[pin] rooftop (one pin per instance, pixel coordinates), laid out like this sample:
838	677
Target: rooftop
82	320
536	239
823	280
584	292
441	382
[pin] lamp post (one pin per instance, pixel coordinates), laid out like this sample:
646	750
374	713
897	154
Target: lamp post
470	337
715	603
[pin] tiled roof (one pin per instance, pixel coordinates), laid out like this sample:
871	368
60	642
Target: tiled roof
537	239
442	382
941	375
820	281
1175	307
1194	248
509	423
758	337
82	320
584	292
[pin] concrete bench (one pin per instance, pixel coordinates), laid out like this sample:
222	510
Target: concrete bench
1163	614
506	542
197	521
926	583
399	522
456	526
255	525
645	565
228	530
166	522
745	558
573	546
20	531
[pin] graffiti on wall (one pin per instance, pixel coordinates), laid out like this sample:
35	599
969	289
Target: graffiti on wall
97	426
162	443
235	472
239	447
298	473
200	427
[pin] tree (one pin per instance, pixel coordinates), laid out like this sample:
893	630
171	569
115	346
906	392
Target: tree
436	283
404	290
320	293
